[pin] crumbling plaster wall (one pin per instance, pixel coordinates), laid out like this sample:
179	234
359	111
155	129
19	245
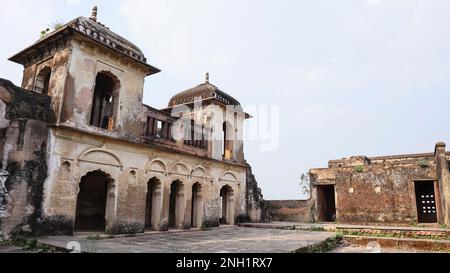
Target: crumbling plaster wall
382	192
24	118
59	63
131	166
85	63
65	155
257	207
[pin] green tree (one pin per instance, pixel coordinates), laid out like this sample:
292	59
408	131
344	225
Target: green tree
305	185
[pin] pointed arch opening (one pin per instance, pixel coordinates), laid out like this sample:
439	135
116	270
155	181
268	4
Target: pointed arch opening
42	83
105	101
176	205
153	204
94	201
227	198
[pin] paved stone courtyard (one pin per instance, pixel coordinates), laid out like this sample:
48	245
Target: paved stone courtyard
221	240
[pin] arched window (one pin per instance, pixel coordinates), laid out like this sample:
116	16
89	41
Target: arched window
104	101
42	82
228	141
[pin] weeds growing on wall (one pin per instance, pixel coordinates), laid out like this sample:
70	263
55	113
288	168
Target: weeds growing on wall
323	247
359	169
423	163
31	245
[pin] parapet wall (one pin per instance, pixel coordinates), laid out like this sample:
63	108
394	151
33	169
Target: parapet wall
375	193
292	210
376	190
382	190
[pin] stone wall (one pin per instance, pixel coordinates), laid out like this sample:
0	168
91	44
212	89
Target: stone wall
42	165
257	210
50	143
443	173
292	210
131	166
378	190
24	118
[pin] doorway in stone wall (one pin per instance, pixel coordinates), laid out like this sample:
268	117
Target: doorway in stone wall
426	202
227	197
153	204
176	204
326	203
92	202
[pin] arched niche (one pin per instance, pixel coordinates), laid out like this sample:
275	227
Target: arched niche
180	169
199	172
228	177
101	157
157	166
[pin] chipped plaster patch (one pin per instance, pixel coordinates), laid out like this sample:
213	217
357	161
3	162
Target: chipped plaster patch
4	123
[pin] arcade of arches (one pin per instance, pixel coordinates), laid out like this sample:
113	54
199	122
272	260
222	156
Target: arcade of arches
96	202
107	161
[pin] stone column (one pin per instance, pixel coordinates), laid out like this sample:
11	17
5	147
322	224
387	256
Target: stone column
444	180
165	206
231	209
180	205
157	200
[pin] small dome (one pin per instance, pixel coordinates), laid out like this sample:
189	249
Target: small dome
105	36
93	30
203	92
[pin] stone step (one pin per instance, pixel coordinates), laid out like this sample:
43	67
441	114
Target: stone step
396	233
400	243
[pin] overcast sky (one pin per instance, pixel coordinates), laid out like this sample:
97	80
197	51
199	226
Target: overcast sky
351	77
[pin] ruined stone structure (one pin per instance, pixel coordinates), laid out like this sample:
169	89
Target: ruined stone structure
393	190
80	151
302	211
405	189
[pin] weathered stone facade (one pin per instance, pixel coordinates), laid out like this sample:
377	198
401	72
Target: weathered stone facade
24	118
257	207
81	150
292	210
384	189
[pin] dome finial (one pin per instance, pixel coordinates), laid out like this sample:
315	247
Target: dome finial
207	77
94	14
